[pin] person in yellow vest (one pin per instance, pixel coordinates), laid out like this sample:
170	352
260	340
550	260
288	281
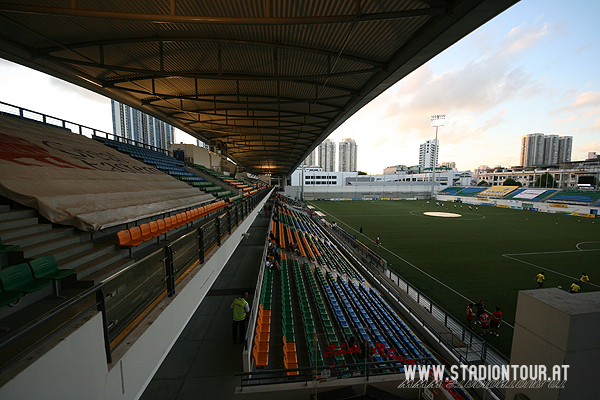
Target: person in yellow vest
540	280
575	288
584	279
241	309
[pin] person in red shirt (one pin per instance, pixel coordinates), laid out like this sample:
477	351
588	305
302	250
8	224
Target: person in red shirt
484	320
470	315
496	319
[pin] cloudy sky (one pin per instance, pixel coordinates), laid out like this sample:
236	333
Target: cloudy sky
534	68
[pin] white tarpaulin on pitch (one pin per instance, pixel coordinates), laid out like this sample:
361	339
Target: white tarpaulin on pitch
73	180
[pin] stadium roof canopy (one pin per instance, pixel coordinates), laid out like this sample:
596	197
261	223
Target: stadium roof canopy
265	81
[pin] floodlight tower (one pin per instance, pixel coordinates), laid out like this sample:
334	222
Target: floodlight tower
436	121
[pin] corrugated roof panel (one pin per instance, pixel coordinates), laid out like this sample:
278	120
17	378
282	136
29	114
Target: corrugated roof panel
192	57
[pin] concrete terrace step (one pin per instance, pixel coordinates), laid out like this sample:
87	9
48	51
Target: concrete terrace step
47	246
17	223
96	250
4	207
98	263
40	237
9	214
107	271
60	253
26	230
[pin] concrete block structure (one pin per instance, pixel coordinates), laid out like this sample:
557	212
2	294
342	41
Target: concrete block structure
554	327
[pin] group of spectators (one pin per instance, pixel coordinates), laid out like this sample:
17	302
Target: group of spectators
482	318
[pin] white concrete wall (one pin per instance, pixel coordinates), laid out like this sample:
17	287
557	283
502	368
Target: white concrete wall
387	191
76	368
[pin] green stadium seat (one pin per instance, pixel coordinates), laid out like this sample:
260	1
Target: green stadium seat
9	297
47	268
5	248
18	278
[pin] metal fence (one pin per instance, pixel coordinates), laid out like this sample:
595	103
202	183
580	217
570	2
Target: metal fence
9	109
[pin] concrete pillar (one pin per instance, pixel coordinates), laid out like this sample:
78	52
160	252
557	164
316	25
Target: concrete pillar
554	327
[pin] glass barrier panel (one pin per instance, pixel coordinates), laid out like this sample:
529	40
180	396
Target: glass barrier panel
130	291
210	235
185	252
234	217
223	225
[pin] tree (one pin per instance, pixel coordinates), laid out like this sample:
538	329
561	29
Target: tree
483	183
511	182
545	180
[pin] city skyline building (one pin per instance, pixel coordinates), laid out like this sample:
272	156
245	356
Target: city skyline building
311	159
565	147
347	155
135	125
540	149
327	155
428	154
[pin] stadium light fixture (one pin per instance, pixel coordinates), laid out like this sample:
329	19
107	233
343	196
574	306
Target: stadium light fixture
436	121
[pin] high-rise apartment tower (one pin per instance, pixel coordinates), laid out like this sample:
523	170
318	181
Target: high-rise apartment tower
347	156
133	124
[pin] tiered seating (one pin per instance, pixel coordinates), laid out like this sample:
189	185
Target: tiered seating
414	343
406	343
576	196
451	190
314	351
138	234
470	191
159	160
262	336
329	330
290	358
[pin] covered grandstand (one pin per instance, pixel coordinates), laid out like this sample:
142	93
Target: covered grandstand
148	243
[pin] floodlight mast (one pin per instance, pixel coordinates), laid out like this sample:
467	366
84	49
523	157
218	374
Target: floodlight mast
437	121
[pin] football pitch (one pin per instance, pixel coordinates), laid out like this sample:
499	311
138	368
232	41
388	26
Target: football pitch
489	254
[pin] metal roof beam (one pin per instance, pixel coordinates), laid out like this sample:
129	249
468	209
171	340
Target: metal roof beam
215	20
101	43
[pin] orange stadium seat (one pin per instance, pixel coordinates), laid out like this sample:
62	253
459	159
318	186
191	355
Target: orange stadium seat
145	231
136	235
154	231
125	240
162	225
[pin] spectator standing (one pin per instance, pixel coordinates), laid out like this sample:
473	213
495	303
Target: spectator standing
484	320
480	310
496	320
240	309
377	241
470	315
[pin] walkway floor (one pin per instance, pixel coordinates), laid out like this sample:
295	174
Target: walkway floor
202	362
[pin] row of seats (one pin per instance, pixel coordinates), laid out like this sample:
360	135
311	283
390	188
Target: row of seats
262	333
136	235
315	354
18	280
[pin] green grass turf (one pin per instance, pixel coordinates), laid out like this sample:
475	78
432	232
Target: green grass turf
467	253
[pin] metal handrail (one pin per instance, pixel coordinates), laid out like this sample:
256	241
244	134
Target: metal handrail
79	129
31	326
